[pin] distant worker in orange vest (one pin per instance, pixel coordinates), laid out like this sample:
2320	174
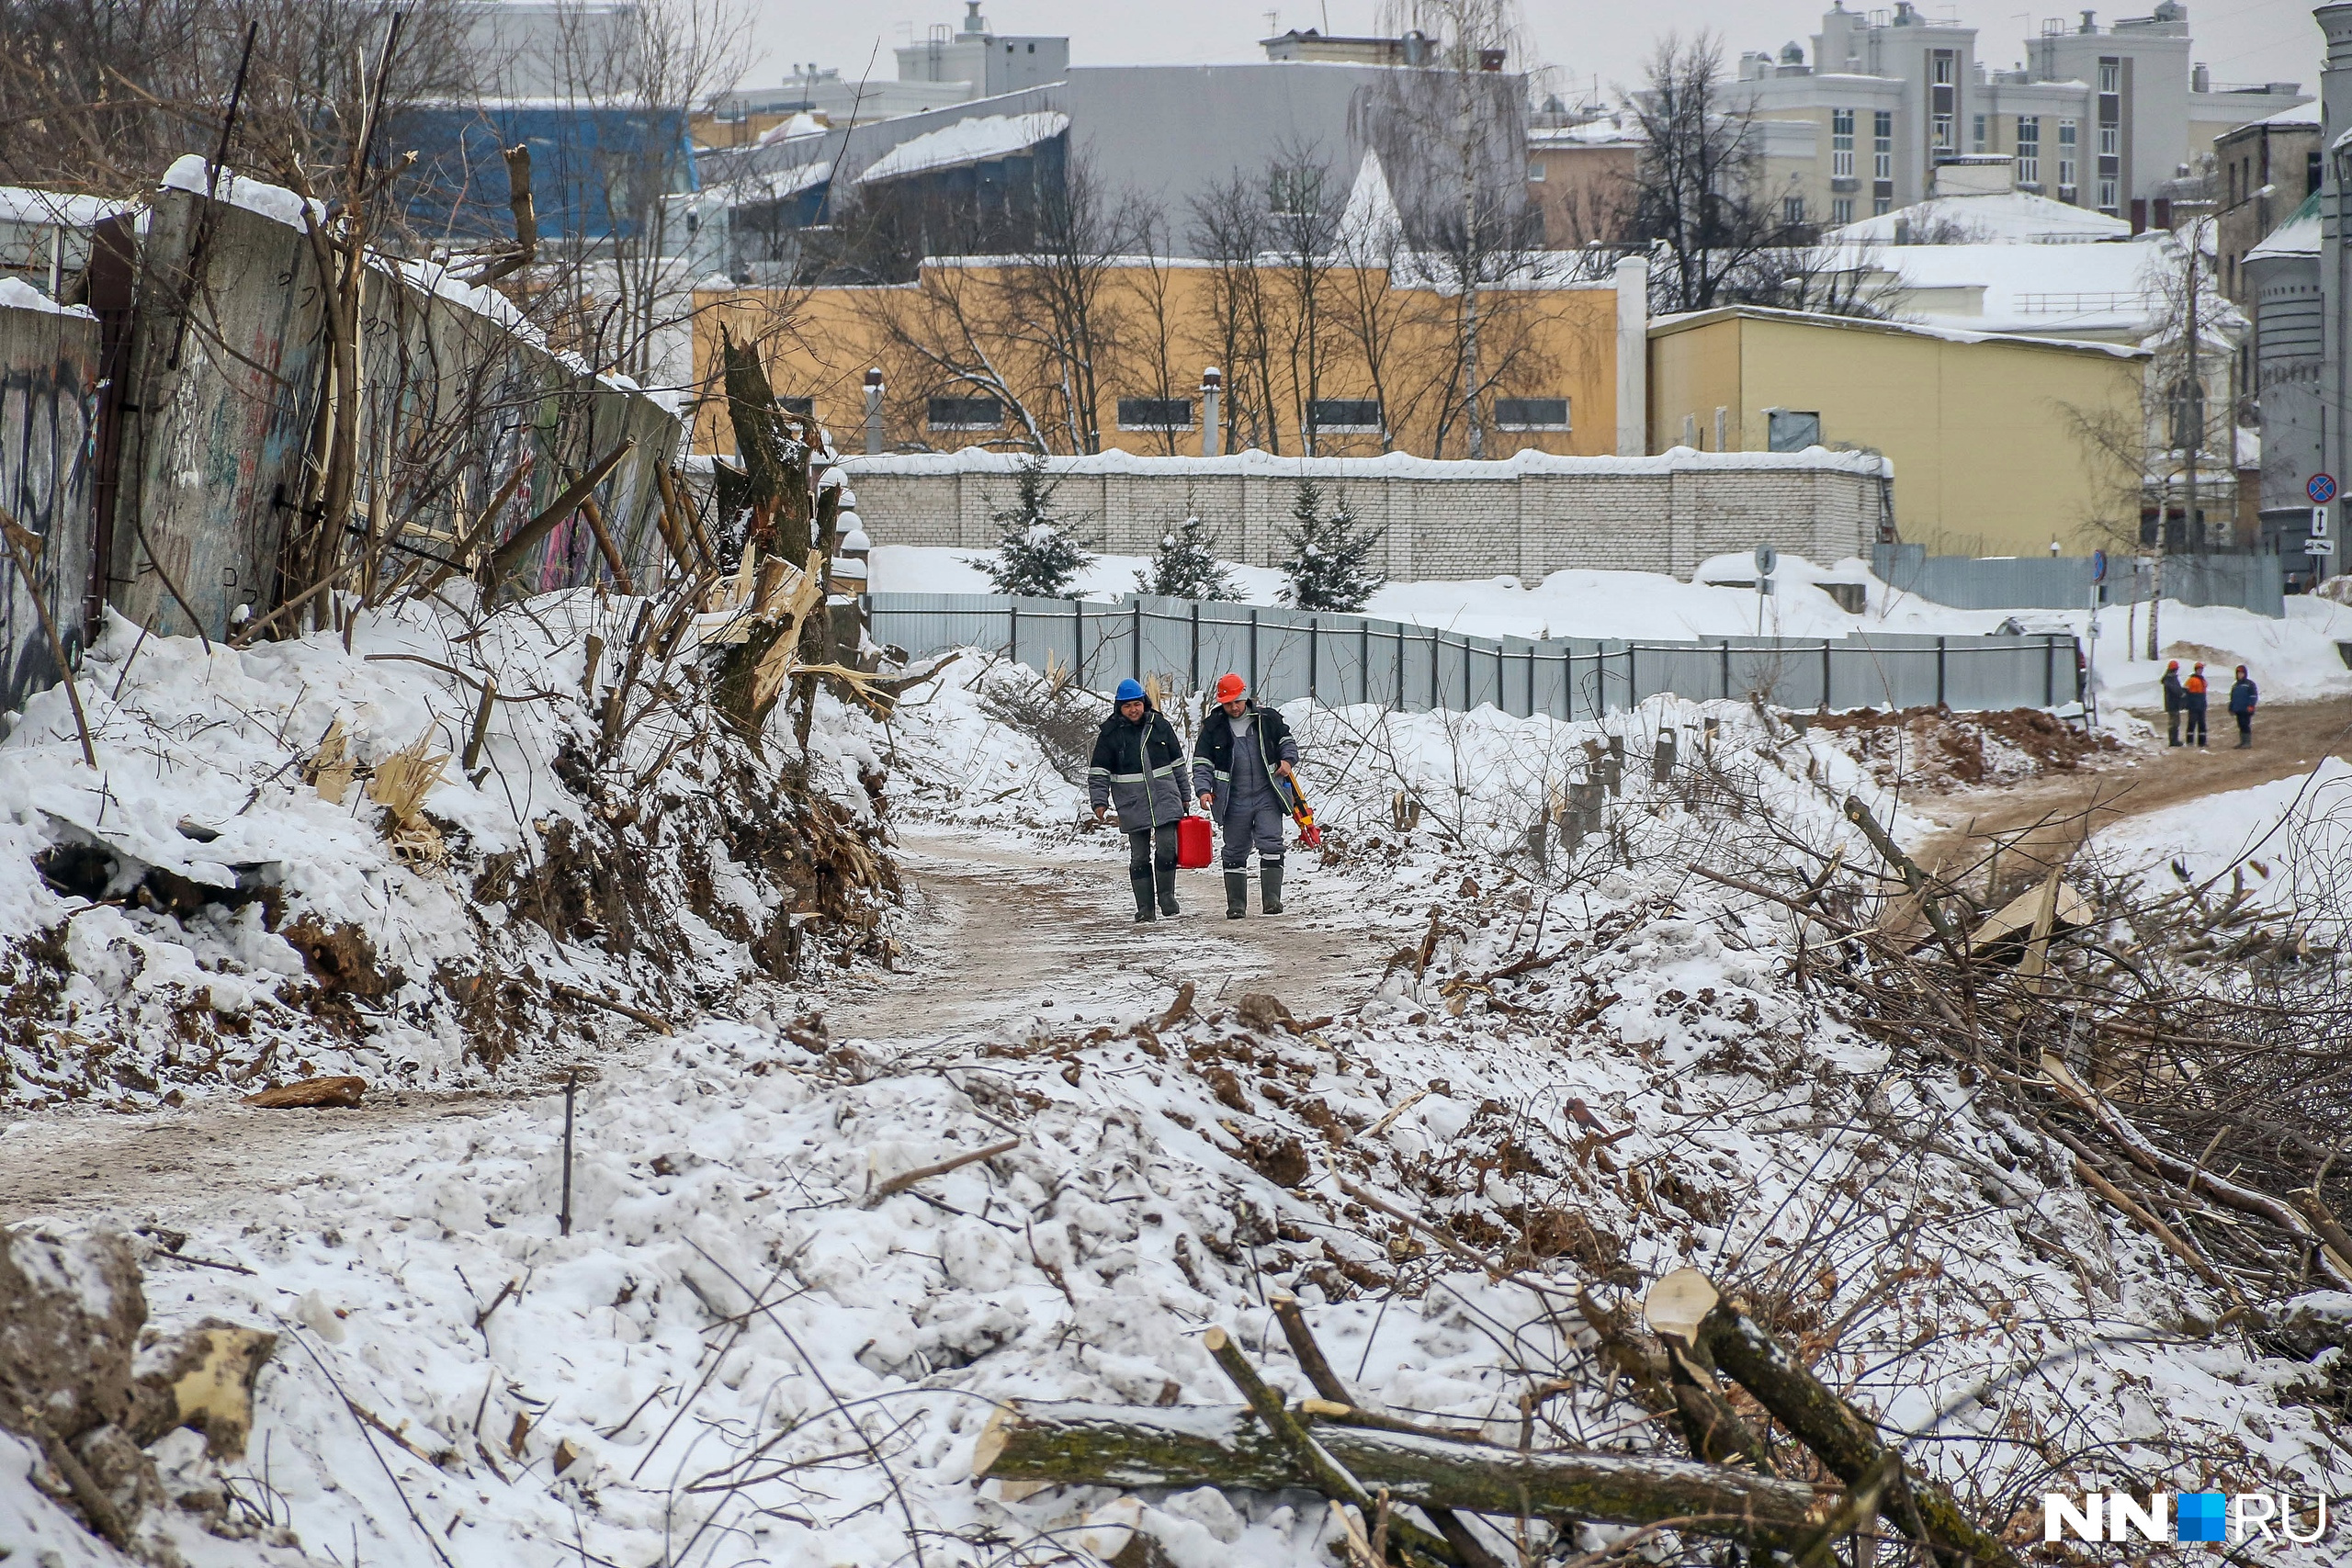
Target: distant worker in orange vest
2194	690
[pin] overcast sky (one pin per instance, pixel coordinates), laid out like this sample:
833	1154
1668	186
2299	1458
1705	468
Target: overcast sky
2244	40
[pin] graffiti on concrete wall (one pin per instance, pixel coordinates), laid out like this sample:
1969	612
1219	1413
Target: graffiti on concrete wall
48	409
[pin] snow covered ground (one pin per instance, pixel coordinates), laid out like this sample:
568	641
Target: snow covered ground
749	1350
2290	841
2293	659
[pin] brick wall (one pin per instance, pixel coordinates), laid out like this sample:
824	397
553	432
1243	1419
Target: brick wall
1525	516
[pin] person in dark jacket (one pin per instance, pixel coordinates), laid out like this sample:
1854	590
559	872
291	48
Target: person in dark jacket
2243	695
1138	767
2175	700
1241	769
2193	695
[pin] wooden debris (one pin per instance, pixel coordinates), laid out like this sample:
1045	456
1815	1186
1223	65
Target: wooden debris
330	769
312	1093
1074	1444
907	1178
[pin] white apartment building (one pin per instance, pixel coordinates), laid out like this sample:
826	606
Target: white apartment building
2099	117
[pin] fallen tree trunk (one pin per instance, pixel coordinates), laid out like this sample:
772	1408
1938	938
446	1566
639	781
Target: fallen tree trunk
1107	1445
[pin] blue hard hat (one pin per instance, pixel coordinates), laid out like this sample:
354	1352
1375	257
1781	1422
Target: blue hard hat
1131	690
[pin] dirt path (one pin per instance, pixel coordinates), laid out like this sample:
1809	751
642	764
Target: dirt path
2044	822
1009	933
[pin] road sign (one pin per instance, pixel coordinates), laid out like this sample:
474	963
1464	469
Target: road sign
2099	566
2318	547
1767	557
2321	488
2319	525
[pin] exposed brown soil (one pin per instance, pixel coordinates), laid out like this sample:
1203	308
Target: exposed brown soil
1936	750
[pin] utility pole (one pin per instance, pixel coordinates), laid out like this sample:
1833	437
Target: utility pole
2191	526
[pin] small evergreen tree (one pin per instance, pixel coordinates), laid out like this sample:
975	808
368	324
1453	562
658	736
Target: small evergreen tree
1329	564
1036	556
1185	566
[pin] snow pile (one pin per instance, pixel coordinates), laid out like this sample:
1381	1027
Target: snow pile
193	173
15	294
206	906
2289	842
955	758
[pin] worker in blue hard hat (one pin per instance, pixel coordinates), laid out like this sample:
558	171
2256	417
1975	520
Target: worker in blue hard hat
1137	769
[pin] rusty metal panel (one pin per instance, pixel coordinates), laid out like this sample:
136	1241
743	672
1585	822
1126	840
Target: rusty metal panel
49	388
226	377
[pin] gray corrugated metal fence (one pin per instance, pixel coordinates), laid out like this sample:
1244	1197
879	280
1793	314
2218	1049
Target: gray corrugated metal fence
1335	660
2063	582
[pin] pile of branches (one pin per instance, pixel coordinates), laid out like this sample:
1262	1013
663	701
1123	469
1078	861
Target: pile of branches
2190	1050
1403	1490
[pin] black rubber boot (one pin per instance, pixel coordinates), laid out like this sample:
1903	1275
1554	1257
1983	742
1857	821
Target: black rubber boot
1237	894
1270	885
1167	889
1142	885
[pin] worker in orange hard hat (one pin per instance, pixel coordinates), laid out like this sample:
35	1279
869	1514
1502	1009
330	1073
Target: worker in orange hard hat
1242	765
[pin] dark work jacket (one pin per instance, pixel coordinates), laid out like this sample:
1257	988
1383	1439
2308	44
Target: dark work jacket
1213	756
1140	768
2241	696
2193	694
2176	698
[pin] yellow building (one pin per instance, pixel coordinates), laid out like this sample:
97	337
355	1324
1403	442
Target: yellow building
2000	445
1328	360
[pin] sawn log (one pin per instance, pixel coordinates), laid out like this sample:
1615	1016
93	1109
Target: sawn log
1073	1443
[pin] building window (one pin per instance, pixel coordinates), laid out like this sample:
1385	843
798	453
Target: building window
1979	137
1791	430
2029	149
806	407
1943	98
1530	414
1295	192
1345	415
1155	413
2111	75
1880	206
1841	144
2110	141
2107	197
1535	171
1793	210
2067	131
1883	144
963	413
1841	209
1943	68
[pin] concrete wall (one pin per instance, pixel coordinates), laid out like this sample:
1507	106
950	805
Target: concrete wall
1526	517
1986	433
226	369
49	379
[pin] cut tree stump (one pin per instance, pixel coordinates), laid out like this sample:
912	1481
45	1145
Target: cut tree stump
308	1092
1073	1443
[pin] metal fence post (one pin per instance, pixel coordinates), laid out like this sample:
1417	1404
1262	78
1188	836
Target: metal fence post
1825	668
1077	638
1437	652
1400	668
1726	691
2049	672
1939	671
1012	634
1364	665
1313	640
1254	682
1196	645
1139	637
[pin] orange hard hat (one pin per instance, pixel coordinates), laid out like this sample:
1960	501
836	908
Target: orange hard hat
1230	686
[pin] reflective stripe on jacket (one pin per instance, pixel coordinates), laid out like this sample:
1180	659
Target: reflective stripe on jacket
1138	769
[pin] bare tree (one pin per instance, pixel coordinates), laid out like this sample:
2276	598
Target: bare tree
1230	232
1697	201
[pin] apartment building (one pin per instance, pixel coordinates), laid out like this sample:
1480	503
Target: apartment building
2096	116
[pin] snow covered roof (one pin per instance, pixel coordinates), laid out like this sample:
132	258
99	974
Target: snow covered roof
799	125
2042	290
2299	236
967	141
1607	130
1370	223
2305	113
19	204
1665	324
2013	217
1395	465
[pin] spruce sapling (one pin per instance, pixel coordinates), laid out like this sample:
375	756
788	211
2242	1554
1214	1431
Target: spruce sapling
1329	564
1185	566
1036	556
